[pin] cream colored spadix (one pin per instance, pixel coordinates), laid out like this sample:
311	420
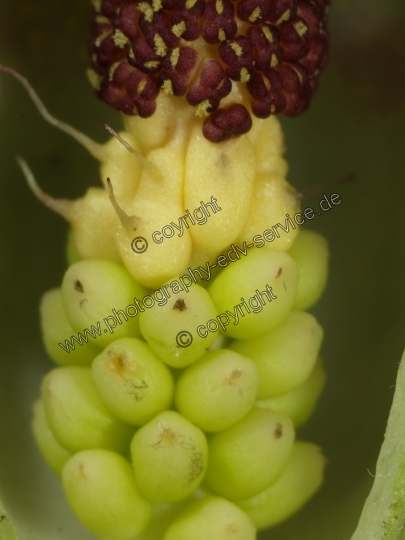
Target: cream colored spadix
225	171
267	139
158	202
273	201
92	218
121	165
158	129
93	224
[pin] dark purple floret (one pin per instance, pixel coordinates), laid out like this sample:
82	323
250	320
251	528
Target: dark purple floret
226	123
196	48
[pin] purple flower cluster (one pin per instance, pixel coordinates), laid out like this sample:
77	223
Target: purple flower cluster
275	48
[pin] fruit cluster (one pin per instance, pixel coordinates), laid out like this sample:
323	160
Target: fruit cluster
158	441
213	52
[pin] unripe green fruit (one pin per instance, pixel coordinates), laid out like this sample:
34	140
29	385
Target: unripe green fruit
132	382
311	254
169	456
243	278
218	390
56	328
212	518
92	289
72	255
77	416
165	513
301	478
250	455
88	411
101	490
300	402
53	453
185	311
286	355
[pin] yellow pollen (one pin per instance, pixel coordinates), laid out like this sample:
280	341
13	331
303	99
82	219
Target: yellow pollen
237	49
273	61
267	34
267	83
244	75
100	19
160	47
179	29
94	78
221	84
131	53
284	17
300	28
255	14
101	38
219	7
96	5
174	57
112	70
156	5
146	10
120	39
190	4
298	74
167	87
141	87
151	64
201	109
221	35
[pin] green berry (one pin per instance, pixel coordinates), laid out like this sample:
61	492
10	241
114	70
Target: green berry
300	402
101	490
218	390
77	416
250	455
169	456
286	355
301	478
169	317
72	255
212	518
132	382
100	291
53	453
310	253
250	279
56	328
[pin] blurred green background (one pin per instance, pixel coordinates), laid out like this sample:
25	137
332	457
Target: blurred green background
354	125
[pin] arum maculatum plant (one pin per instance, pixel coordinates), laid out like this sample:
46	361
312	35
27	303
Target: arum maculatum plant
186	358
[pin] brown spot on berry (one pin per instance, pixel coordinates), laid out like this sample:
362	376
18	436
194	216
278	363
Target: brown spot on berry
180	305
78	286
278	432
